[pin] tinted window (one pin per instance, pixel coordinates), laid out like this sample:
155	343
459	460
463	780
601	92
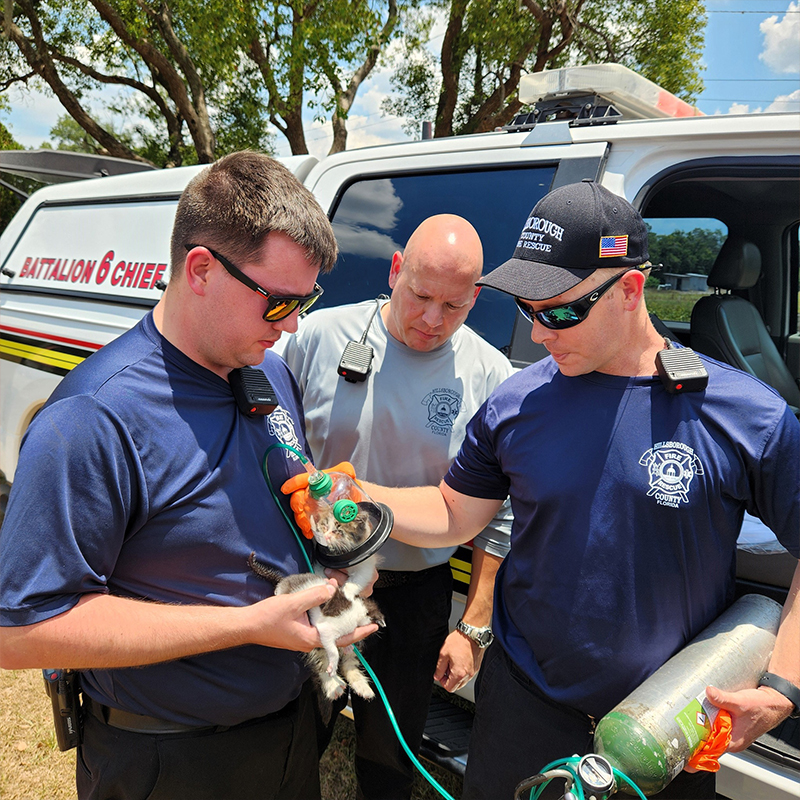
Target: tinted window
686	248
375	217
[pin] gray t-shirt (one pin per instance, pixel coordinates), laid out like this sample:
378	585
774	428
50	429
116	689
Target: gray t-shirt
404	425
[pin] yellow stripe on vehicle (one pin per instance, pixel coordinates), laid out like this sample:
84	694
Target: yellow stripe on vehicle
457	563
461	570
461	577
43	355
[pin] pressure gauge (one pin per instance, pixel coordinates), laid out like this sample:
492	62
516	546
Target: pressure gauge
595	773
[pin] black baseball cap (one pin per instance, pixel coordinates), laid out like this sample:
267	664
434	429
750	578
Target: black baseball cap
571	232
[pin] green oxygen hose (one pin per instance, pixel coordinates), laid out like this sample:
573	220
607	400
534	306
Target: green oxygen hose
425	774
289	521
565	764
567	768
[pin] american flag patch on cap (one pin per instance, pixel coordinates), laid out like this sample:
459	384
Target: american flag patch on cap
613	246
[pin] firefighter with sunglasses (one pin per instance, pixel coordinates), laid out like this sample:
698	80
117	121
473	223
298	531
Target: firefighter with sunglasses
627	500
139	497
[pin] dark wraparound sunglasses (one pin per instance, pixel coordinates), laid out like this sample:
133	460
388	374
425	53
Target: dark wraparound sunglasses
571	314
278	306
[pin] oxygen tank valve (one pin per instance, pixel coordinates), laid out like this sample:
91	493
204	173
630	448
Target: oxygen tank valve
596	775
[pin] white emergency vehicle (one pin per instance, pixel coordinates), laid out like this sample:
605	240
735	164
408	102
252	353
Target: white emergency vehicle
83	261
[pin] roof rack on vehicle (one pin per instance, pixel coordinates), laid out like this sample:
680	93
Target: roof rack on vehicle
595	94
578	107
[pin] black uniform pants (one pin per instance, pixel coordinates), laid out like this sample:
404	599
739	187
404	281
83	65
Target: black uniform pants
403	655
271	757
518	731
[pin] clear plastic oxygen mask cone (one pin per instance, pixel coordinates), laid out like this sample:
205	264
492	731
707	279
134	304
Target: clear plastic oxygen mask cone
347	525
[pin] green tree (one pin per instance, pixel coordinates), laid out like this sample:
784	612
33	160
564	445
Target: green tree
682	252
489	44
170	55
12	188
203	76
68	135
324	47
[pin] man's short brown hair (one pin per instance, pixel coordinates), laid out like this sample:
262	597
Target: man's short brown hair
233	205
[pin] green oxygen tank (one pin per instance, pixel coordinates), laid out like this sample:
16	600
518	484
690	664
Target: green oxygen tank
653	732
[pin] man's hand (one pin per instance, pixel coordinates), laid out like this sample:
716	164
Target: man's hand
297	487
282	621
459	660
753	712
341	577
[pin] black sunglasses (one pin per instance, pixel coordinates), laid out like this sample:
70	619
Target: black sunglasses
278	306
571	314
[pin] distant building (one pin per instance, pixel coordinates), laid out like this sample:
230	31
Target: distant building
690	282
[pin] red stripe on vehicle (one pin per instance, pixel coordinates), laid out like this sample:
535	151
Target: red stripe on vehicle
52	337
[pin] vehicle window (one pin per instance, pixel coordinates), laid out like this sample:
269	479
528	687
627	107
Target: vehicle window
375	217
686	248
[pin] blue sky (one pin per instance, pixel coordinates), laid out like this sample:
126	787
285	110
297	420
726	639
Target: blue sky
751	59
752	56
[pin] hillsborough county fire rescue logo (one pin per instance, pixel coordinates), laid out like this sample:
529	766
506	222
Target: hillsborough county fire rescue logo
443	407
281	425
671	467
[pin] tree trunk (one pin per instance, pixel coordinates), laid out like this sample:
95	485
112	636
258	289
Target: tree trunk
286	114
196	115
39	58
451	60
345	99
294	131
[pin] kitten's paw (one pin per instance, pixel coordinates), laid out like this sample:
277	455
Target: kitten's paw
362	688
351	590
334	688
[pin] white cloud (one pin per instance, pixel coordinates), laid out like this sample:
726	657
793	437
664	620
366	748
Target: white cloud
781	37
372	95
786	102
375	131
741	108
362	131
375	200
367	125
355	240
33	113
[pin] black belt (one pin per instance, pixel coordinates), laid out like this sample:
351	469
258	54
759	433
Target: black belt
141	723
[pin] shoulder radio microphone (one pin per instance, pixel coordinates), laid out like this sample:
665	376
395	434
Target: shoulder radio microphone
253	392
356	361
680	369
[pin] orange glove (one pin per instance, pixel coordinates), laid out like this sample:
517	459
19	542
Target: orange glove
297	487
706	757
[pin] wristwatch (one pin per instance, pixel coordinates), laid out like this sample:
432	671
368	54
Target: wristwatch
784	687
482	637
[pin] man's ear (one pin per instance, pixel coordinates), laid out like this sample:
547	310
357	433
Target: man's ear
394	270
197	268
475	296
632	287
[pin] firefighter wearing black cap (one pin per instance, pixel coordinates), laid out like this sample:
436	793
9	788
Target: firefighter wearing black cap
627	501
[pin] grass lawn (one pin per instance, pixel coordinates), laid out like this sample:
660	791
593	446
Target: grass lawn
671	305
32	768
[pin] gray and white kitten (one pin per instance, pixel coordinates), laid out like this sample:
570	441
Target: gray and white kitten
335	668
